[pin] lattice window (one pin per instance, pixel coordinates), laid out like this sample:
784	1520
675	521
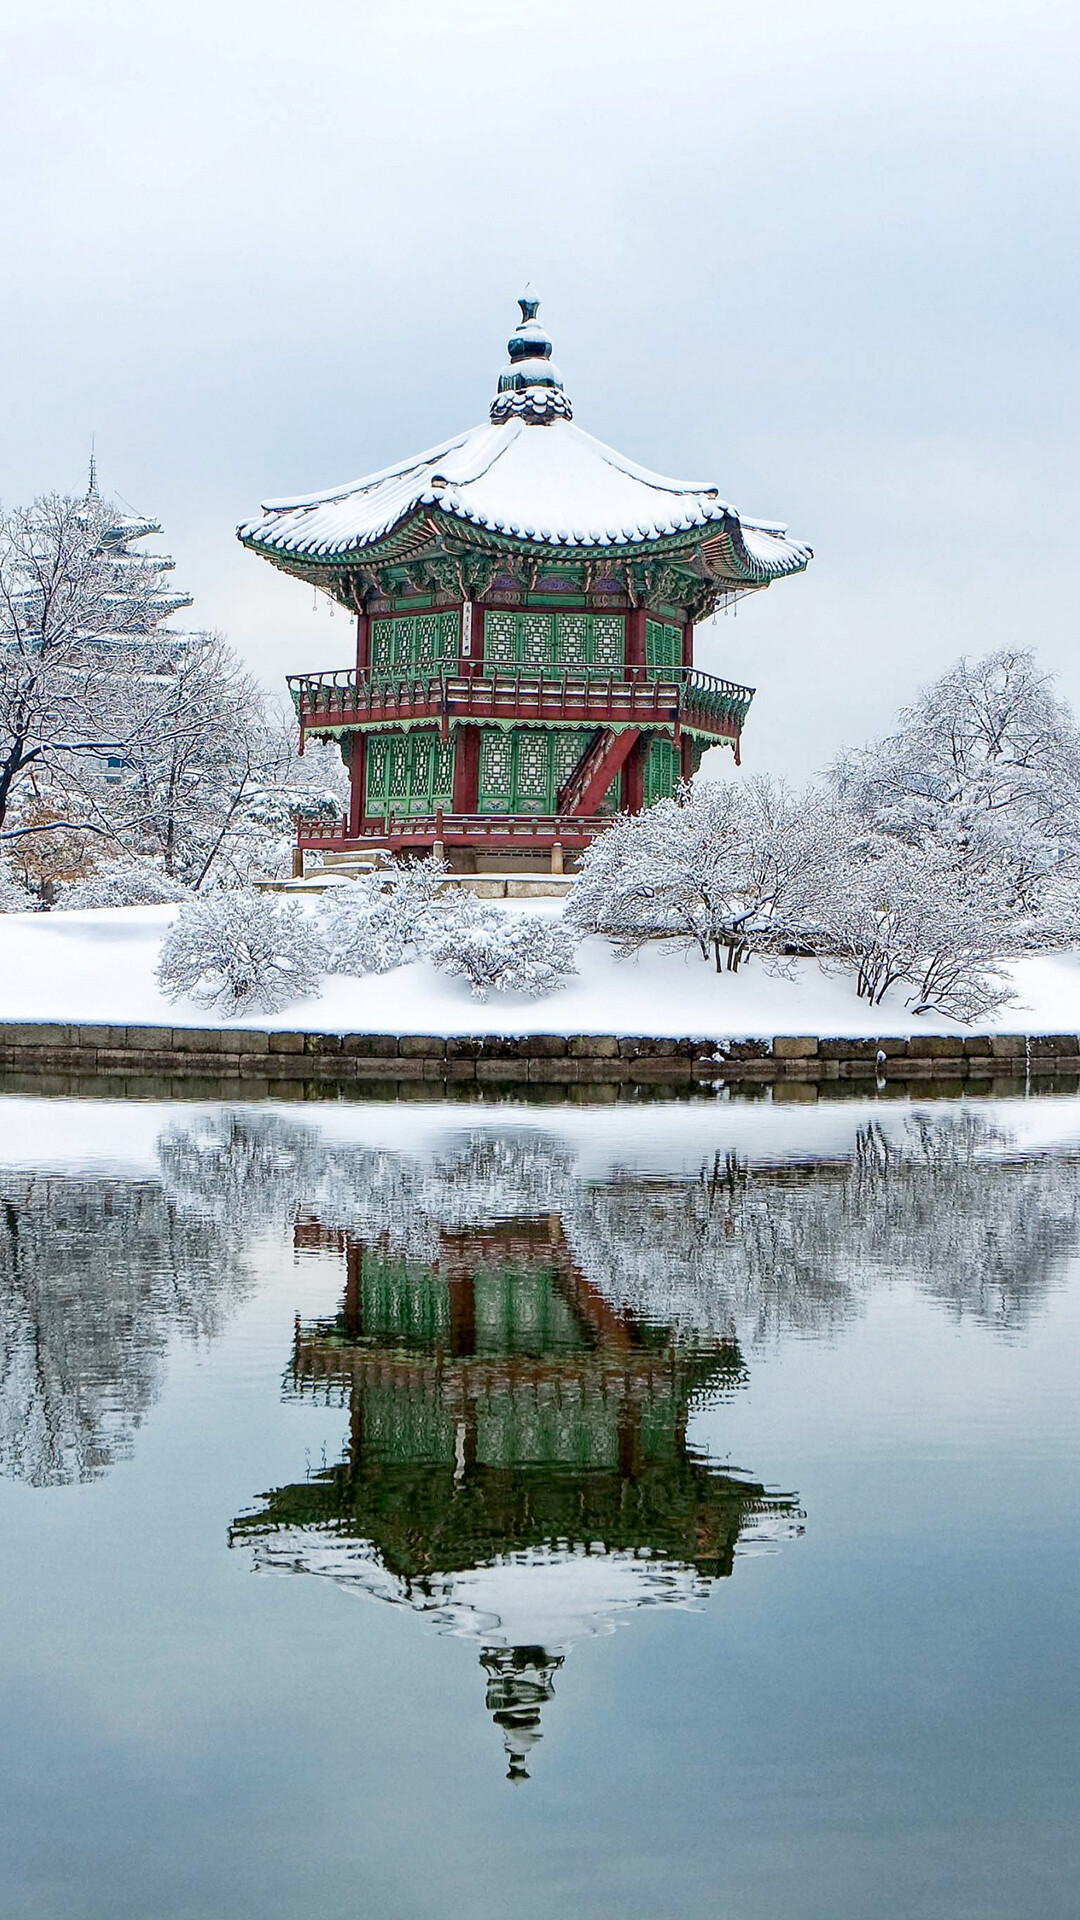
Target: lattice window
383	644
444	773
537	638
500	639
378	768
566	750
449	635
663	644
399	767
608	644
496	769
572	638
661	771
533	768
427	634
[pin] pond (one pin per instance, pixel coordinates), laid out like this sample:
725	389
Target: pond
438	1511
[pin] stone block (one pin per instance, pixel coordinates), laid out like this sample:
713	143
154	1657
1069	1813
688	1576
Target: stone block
651	1047
935	1046
151	1039
742	1049
423	1046
35	1033
662	1067
544	1046
499	1046
370	1046
977	1046
100	1036
505	1069
251	1040
1005	1046
464	1046
463	1070
322	1043
286	1043
593	1046
555	1072
795	1046
201	1040
840	1049
1058	1046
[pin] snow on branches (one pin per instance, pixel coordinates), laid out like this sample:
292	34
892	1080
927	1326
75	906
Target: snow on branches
730	869
739	870
124	883
240	953
502	953
372	924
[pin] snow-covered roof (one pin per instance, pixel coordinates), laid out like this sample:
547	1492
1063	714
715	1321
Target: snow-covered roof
528	473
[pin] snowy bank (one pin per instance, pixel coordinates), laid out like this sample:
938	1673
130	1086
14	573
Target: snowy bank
98	966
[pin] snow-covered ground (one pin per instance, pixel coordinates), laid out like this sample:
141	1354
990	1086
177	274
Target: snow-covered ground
98	965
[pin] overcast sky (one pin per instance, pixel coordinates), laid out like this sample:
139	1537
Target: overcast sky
823	255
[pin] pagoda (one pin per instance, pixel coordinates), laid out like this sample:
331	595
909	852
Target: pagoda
525	601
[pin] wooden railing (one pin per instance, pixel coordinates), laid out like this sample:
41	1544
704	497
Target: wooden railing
671	696
496	831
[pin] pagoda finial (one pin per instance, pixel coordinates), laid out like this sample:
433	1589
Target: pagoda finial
91	491
531	387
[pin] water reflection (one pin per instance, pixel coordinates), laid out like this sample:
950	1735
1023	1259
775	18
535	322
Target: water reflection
96	1276
517	1465
519	1349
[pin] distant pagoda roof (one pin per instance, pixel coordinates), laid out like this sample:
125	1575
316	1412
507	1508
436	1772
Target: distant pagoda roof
559	489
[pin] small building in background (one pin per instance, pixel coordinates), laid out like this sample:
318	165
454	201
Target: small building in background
525	601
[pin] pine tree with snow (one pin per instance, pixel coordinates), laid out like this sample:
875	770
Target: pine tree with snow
240	953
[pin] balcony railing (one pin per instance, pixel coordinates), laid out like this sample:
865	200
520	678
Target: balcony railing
673	696
495	831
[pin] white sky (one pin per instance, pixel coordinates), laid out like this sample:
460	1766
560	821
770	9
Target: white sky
824	254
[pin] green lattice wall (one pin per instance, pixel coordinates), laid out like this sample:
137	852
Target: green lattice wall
663	644
409	773
662	771
415	642
522	768
532	637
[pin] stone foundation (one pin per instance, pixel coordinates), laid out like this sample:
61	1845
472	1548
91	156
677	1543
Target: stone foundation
211	1063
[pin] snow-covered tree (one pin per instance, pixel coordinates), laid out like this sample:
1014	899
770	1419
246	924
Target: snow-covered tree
240	953
986	766
374	923
139	739
899	914
503	953
726	867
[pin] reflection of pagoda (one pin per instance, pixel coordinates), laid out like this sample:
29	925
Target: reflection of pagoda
517	1463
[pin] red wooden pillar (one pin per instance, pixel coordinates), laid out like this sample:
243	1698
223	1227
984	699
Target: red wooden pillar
357	770
466	769
635	638
634	775
688	644
363	642
477	650
686	758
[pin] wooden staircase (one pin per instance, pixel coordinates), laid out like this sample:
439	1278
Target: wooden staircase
603	759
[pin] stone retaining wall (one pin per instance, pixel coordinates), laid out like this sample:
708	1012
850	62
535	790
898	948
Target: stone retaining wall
297	1063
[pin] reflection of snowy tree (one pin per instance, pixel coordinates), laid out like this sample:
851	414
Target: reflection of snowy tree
96	1275
748	1249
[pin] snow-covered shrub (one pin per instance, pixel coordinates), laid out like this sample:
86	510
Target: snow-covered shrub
501	952
240	953
130	883
372	924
